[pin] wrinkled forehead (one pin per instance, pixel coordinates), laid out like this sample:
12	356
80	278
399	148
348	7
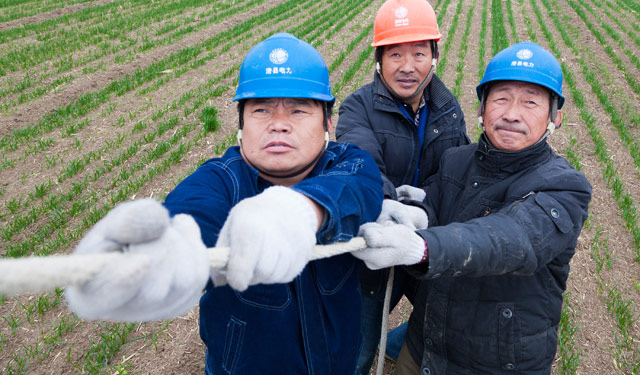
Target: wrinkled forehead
518	86
287	102
418	44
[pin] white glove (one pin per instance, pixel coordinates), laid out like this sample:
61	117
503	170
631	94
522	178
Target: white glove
390	245
396	212
271	237
168	283
410	192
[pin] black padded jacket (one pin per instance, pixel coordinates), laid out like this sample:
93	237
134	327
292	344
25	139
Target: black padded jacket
371	119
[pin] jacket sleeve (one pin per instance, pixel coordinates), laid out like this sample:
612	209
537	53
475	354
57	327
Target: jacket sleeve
349	189
519	239
205	196
354	126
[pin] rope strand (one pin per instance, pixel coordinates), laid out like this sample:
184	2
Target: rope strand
38	274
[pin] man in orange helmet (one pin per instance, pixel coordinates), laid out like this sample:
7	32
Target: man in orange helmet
406	118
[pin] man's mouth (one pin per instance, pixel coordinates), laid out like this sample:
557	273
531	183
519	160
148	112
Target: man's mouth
278	146
511	129
406	83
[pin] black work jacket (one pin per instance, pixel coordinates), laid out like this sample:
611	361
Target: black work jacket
503	228
371	119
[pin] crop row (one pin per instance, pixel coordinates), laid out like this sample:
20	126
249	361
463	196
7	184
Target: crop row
625	202
108	43
621	308
74	167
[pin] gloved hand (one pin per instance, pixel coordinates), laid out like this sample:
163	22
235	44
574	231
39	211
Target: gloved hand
410	192
396	212
169	280
390	245
270	236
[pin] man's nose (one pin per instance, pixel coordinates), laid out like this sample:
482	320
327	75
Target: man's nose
512	112
407	65
279	122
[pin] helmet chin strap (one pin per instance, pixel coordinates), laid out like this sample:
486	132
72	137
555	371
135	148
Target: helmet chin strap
419	90
292	174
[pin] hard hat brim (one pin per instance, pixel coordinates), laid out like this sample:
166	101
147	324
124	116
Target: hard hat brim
273	87
513	74
399	38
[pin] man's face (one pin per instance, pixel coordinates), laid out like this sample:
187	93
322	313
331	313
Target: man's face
406	65
516	114
282	135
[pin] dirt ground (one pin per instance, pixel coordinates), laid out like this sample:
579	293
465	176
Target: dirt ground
174	347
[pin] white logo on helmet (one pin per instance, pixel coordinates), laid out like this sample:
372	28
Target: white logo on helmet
279	56
524	54
401	14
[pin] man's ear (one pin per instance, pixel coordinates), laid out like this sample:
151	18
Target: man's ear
555	124
558	120
330	125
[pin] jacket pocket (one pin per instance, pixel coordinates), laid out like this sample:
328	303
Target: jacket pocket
233	343
333	273
271	297
538	350
555	211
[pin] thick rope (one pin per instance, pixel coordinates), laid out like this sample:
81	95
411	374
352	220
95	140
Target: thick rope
39	274
382	348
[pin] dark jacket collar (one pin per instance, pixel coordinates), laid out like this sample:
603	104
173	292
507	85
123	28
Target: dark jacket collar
508	161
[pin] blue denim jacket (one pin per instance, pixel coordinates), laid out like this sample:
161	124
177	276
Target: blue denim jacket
310	325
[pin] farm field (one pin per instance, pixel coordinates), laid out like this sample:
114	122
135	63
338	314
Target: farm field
109	100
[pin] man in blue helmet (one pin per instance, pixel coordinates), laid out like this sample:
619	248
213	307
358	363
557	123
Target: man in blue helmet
270	200
504	219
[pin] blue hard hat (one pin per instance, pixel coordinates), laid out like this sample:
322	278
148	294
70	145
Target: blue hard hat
283	66
527	62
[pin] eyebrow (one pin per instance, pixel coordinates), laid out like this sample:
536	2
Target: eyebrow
287	101
263	100
529	90
422	44
297	101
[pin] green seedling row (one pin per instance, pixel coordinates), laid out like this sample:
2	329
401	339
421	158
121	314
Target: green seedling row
626	353
568	354
603	258
155	117
16	9
512	22
624	201
462	54
499	40
620	16
129	151
225	12
633	82
481	44
90	101
447	44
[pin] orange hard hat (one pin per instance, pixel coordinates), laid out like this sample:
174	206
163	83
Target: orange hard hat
402	21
